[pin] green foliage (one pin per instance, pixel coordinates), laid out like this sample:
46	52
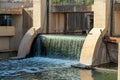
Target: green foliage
73	1
55	1
84	1
89	1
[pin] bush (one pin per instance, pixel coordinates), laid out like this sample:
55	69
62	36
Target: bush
55	1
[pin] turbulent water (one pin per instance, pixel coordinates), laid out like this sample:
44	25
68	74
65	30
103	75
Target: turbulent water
40	68
32	65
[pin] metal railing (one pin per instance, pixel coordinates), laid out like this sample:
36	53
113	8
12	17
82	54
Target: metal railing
72	2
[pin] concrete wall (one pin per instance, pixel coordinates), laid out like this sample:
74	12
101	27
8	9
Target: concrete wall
4	43
27	19
7	31
99	13
113	52
116	29
56	23
15	40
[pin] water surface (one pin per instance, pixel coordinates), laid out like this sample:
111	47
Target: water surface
39	68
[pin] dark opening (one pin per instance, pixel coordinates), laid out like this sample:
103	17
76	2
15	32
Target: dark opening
78	22
5	20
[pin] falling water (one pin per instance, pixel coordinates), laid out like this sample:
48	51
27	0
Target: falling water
59	46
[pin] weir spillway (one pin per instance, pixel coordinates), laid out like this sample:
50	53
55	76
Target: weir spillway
53	57
58	46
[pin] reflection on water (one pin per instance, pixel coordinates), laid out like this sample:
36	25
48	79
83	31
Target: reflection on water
96	75
39	68
86	75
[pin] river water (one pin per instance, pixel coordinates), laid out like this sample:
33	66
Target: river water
41	68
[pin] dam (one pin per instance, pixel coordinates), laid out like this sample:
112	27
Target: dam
51	58
69	40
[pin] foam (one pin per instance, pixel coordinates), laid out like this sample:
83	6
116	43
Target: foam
32	65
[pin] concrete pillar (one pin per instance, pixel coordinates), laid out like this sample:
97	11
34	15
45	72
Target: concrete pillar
92	45
39	13
36	13
100	13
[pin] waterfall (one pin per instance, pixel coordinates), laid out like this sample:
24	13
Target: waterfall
38	47
59	46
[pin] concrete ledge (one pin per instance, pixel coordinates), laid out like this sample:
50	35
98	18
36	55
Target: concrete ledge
7	51
7	54
7	30
11	11
26	42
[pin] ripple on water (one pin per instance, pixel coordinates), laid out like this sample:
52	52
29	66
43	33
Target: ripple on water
32	65
39	68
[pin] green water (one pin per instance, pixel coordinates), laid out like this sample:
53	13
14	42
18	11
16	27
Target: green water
66	74
59	46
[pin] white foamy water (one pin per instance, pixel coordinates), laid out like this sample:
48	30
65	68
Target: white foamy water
32	65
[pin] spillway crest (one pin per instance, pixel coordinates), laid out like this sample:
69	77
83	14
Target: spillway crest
58	46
